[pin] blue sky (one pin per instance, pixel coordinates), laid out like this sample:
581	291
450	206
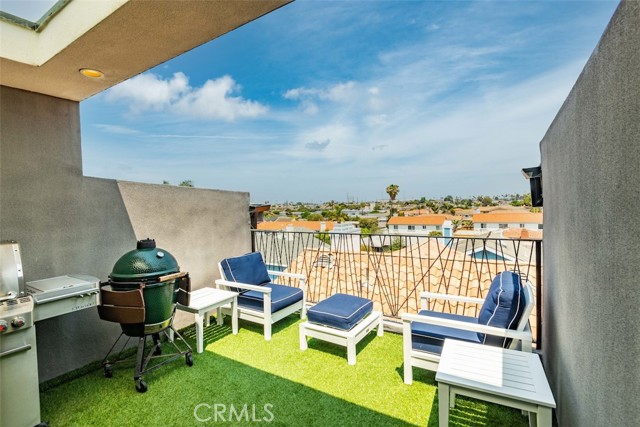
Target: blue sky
329	100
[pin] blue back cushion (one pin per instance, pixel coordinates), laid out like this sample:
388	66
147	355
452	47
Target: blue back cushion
503	306
249	269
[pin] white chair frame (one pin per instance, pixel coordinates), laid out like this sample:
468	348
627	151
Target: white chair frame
265	317
521	337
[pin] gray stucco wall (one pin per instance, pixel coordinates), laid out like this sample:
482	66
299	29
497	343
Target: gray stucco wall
591	174
68	223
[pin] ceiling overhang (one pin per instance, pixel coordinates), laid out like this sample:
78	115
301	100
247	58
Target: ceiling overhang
121	38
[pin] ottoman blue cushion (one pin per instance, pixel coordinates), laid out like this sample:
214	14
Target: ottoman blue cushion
430	338
340	311
281	297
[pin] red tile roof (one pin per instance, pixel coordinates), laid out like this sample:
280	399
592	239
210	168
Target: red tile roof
522	233
435	219
509	218
281	225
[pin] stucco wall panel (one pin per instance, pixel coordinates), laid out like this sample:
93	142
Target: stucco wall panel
590	158
68	223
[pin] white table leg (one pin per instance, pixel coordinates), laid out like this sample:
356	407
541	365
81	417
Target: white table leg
443	404
219	316
351	351
206	318
199	332
234	316
380	328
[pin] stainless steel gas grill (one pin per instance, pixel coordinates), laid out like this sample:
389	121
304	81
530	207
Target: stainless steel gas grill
19	394
21	305
63	294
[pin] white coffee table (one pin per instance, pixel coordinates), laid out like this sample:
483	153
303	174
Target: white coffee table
202	302
506	377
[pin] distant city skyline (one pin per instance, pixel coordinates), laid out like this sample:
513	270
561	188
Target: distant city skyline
325	100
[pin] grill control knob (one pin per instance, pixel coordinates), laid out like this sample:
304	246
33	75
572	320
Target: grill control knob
18	322
3	326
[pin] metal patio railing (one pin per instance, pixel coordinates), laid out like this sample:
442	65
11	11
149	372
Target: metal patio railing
392	270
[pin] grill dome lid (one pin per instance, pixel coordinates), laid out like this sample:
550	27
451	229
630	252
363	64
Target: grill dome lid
144	263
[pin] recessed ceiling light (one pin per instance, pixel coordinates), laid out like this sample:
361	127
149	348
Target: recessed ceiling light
89	72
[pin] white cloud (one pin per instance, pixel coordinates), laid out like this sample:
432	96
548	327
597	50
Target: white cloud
339	92
494	127
117	129
214	100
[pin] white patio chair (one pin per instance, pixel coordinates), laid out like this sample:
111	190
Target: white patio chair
259	300
503	321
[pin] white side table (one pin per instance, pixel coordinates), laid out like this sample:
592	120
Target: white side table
506	377
202	302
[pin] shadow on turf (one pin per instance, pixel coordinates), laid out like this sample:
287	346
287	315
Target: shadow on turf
204	395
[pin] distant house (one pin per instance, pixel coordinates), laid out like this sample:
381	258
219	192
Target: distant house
418	225
352	212
522	233
466	214
417	212
305	225
505	220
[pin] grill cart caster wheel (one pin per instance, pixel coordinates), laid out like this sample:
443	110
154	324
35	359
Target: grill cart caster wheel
157	351
141	386
108	371
189	359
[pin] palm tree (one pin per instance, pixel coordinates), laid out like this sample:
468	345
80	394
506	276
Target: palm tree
338	214
392	191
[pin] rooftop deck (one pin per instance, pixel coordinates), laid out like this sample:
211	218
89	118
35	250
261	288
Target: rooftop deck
279	384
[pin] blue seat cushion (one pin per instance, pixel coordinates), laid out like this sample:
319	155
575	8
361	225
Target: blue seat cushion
248	268
430	338
281	296
340	311
503	307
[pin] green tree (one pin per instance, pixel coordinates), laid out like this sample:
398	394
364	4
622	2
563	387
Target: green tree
392	190
447	208
448	199
368	225
486	201
186	183
397	244
324	237
526	200
335	214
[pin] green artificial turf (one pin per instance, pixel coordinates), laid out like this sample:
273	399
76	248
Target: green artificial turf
243	380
